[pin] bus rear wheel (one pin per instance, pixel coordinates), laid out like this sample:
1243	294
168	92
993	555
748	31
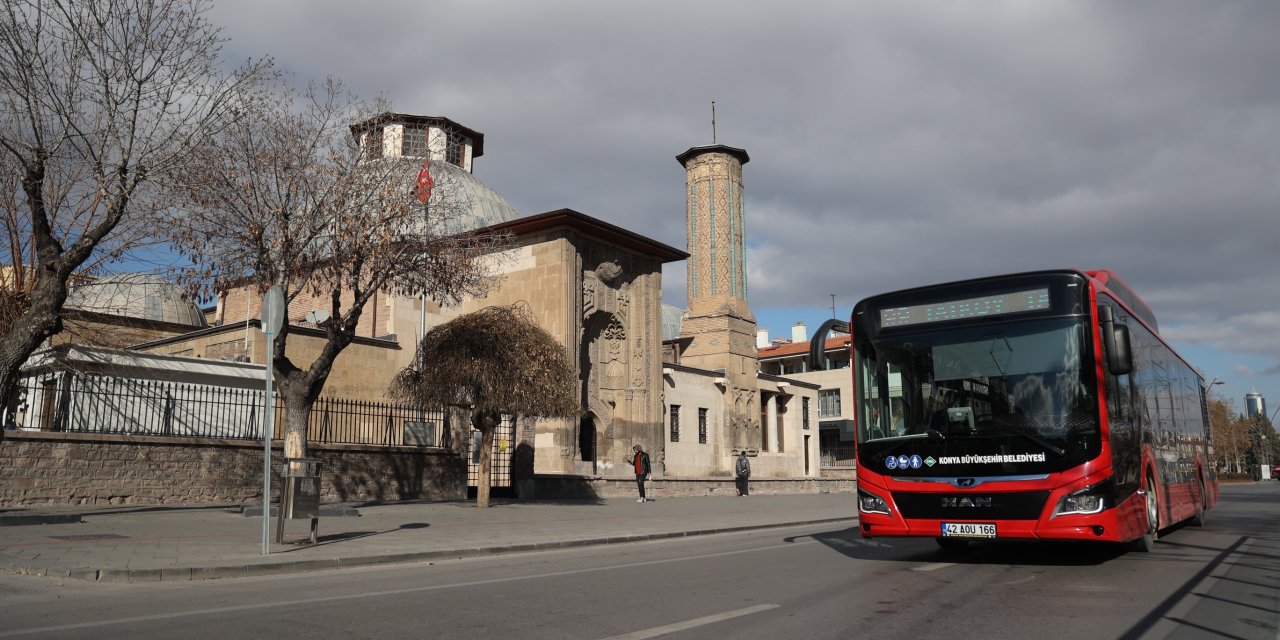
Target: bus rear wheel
1147	540
1199	518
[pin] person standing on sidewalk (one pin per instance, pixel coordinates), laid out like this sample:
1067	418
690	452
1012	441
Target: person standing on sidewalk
742	471
640	460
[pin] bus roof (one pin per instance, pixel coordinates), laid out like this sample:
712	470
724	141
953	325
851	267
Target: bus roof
1104	280
1107	280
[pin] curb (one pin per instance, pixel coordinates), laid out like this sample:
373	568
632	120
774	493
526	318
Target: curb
39	518
171	574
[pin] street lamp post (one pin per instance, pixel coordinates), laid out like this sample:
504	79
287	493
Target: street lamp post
1265	471
1208	394
1266	452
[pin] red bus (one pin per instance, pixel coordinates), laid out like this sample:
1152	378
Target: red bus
1030	406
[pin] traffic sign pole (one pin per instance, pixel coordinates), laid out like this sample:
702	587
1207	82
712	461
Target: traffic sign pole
273	311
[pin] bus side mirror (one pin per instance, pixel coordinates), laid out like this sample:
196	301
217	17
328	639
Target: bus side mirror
1116	341
1119	357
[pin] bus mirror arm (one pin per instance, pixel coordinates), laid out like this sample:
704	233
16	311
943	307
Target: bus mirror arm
817	346
1116	341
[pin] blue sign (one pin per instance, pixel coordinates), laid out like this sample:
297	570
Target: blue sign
891	462
916	462
904	462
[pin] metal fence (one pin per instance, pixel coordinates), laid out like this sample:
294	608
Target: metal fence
80	403
499	455
837	455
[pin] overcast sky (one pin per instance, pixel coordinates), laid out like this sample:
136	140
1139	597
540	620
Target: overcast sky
892	144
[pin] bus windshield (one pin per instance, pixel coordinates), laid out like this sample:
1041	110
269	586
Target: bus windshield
1029	381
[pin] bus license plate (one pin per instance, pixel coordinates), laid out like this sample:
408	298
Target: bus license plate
968	530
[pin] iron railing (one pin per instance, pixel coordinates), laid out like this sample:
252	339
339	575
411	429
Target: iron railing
81	403
837	455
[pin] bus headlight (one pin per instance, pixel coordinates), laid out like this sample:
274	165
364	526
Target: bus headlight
1085	501
871	503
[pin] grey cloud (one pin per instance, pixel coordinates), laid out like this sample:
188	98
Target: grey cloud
892	143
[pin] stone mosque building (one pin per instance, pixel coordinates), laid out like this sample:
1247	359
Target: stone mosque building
683	384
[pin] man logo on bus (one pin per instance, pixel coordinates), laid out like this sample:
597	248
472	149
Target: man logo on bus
965	482
966	501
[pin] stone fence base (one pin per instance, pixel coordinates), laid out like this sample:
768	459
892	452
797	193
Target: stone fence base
553	487
72	469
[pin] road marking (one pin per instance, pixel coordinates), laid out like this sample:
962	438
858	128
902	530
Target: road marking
935	566
374	594
690	624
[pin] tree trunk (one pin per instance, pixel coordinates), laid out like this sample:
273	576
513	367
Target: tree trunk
37	323
298	398
488	424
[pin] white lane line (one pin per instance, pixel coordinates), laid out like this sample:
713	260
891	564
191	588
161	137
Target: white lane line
213	611
935	566
690	624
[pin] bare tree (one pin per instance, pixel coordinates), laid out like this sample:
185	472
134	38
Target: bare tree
1232	435
98	98
498	361
285	197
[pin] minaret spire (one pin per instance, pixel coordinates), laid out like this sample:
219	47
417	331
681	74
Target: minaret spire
713	122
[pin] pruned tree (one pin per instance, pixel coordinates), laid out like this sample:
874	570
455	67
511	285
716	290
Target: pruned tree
285	197
98	100
497	361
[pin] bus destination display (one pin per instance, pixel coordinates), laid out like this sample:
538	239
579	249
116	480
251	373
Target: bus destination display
1016	302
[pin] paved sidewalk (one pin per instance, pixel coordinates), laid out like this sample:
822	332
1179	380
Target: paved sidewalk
149	543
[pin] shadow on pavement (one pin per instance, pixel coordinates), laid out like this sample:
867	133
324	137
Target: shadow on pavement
354	535
922	550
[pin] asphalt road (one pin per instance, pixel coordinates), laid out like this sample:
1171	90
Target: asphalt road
1219	581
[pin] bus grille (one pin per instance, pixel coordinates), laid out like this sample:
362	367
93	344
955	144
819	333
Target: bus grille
972	506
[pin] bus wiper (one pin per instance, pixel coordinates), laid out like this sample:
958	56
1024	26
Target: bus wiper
1034	437
933	435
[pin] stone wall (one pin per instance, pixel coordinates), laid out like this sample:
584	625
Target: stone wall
91	469
552	487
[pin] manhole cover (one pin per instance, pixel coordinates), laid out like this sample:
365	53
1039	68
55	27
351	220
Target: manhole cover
91	536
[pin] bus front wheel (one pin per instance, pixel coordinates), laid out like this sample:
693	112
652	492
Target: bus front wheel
1147	540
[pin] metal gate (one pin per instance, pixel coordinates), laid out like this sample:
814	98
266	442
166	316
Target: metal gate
499	458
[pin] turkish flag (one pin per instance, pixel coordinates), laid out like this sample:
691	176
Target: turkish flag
422	191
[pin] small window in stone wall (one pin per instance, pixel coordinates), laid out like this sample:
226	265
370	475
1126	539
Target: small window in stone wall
456	150
702	426
804	412
675	423
415	142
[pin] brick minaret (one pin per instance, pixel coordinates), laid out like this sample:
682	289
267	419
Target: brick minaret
719	323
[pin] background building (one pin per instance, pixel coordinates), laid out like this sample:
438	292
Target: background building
835	417
1255	404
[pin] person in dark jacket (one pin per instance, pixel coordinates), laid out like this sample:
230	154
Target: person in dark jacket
640	460
742	471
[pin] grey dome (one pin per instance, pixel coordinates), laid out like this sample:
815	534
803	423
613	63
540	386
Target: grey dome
136	295
671	315
483	206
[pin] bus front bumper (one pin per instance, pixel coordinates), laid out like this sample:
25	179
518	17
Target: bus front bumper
1121	523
